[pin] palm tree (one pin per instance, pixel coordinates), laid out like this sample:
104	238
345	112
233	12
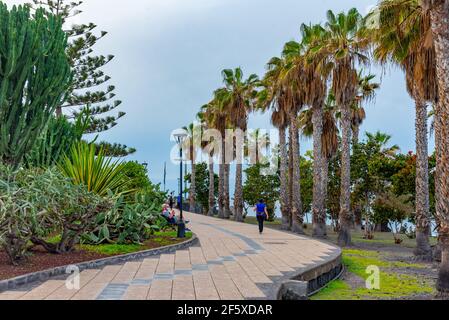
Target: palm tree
366	91
273	96
405	37
226	158
342	49
191	143
315	95
209	149
255	141
439	14
217	119
237	99
329	146
295	96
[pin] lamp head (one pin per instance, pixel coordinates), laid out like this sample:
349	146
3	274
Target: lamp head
179	135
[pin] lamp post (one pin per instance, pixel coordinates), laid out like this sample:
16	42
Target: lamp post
179	137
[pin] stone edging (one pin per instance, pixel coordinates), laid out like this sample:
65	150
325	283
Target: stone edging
313	276
14	283
307	281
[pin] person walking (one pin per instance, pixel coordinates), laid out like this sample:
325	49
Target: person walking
170	201
261	213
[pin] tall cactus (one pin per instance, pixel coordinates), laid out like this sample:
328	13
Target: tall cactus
56	140
34	76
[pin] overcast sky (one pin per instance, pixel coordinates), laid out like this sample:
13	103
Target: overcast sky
169	54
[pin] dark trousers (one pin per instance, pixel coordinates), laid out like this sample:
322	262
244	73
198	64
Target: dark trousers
260	220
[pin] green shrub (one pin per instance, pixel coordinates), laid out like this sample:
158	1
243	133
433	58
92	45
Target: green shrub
35	203
98	173
74	212
127	222
18	219
141	184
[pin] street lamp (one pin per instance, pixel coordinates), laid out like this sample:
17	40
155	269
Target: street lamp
179	137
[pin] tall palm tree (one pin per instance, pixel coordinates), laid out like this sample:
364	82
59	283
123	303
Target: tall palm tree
255	141
439	13
342	49
226	158
329	144
315	95
272	96
191	144
217	119
238	100
405	37
366	91
294	79
209	149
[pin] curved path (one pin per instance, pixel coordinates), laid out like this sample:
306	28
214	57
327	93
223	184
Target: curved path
231	262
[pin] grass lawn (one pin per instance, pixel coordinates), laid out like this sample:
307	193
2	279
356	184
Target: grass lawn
158	239
398	279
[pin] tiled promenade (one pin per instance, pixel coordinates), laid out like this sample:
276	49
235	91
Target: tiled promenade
231	262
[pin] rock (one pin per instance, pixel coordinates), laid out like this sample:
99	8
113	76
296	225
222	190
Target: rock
293	290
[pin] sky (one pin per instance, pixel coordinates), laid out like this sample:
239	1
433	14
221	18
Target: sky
169	55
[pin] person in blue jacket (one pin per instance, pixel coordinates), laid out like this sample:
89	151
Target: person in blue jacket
261	213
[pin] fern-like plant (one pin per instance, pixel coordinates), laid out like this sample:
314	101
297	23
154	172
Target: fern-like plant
98	173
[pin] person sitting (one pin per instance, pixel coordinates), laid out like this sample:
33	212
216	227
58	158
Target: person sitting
170	215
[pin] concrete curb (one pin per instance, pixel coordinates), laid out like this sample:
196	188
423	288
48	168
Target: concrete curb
315	276
40	276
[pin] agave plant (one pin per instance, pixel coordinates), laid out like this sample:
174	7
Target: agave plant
98	173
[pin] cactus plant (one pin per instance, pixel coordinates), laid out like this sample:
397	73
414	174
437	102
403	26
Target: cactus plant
56	140
34	76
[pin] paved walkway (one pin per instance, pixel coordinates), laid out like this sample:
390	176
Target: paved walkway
231	262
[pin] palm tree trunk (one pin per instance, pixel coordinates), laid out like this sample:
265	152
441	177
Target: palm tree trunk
227	208
357	206
436	254
423	249
238	194
284	194
355	136
318	205
211	187
221	184
324	181
297	217
344	236
440	21
290	176
192	190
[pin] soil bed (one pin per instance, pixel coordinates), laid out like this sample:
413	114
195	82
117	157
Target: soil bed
40	260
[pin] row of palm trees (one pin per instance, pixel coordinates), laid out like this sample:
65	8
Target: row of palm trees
317	83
